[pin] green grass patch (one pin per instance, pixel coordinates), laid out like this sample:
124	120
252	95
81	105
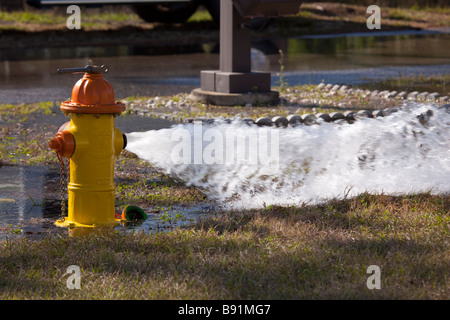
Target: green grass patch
22	139
200	16
34	17
9	110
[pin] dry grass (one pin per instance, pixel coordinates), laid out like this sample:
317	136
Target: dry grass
309	252
312	252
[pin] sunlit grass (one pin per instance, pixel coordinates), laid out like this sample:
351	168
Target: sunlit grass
200	16
32	17
309	252
295	252
25	20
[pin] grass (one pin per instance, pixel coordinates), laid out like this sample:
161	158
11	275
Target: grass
139	183
311	252
421	83
200	16
305	252
21	136
308	20
437	81
31	17
90	19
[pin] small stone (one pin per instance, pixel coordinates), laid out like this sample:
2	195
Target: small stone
364	114
321	86
280	121
295	101
263	121
343	89
413	95
401	95
308	119
391	94
349	115
444	99
324	116
377	113
383	93
335	88
422	96
328	86
336	116
374	93
248	121
433	96
294	119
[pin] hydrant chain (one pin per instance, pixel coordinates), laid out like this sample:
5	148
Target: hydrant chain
62	185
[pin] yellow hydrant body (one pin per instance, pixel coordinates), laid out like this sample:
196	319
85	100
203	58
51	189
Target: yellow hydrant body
96	142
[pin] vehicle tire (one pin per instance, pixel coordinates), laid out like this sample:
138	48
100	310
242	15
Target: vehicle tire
175	12
213	7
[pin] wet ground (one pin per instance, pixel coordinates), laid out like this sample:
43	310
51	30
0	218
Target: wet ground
352	59
30	204
29	196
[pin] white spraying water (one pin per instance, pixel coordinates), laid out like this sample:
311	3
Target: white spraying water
398	154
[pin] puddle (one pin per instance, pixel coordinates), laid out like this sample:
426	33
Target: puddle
29	200
30	204
166	219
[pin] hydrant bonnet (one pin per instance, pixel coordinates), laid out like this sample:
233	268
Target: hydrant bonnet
92	94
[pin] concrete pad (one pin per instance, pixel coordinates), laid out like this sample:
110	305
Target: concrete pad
234	99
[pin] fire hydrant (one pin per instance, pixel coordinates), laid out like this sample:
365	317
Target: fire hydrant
91	141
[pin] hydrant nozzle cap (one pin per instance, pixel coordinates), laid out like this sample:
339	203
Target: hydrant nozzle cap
63	143
54	144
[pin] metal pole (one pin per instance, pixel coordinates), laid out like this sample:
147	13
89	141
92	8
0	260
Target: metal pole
235	39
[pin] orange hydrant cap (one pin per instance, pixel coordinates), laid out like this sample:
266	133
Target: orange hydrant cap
63	143
92	94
